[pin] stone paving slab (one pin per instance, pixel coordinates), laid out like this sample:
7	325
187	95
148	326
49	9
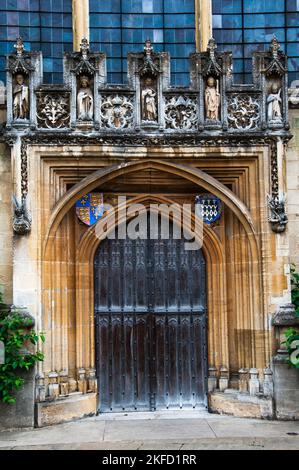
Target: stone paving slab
158	431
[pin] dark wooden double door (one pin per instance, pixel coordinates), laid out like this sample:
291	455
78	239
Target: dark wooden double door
150	316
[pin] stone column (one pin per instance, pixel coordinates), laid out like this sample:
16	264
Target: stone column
203	23
92	380
53	385
243	377
223	380
40	389
63	382
212	379
254	384
82	383
268	382
80	22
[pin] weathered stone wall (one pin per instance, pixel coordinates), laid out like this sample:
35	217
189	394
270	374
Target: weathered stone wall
293	187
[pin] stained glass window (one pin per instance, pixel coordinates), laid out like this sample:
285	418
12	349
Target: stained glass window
244	26
121	26
44	25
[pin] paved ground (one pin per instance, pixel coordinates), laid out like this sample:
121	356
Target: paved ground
163	431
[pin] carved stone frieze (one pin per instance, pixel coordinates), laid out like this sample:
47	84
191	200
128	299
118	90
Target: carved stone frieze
181	112
243	112
117	111
53	110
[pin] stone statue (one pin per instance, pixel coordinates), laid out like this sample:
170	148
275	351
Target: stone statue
85	100
149	108
274	100
212	100
20	98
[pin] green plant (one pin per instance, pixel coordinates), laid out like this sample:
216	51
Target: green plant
292	346
17	335
295	289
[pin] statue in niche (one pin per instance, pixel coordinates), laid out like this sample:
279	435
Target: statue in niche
85	100
212	99
148	97
273	101
20	98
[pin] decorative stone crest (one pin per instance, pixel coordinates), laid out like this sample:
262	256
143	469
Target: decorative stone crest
181	112
243	112
208	207
117	111
53	110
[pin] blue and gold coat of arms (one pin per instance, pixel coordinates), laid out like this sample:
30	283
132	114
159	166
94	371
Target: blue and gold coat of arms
90	208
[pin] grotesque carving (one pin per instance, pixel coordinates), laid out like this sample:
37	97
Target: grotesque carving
85	100
243	112
149	101
117	111
274	103
278	217
181	113
21	217
20	98
53	110
212	99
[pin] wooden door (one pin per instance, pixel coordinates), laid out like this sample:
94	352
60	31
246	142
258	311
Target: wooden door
150	316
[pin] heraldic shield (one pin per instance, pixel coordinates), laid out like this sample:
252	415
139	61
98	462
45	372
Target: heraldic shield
90	208
208	207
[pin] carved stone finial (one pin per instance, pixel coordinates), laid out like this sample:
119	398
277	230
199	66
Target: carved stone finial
212	46
148	68
213	67
19	46
275	46
148	48
84	66
21	217
84	48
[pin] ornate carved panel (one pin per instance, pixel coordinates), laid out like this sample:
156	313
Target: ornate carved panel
117	111
243	112
53	110
181	112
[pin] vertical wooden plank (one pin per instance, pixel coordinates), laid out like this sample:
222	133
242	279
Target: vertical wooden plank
117	385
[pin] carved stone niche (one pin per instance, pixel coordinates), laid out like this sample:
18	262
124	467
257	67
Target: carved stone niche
23	74
84	73
212	72
146	71
275	86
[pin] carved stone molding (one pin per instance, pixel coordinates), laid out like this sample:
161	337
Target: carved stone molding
243	112
117	111
276	204
181	112
53	110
